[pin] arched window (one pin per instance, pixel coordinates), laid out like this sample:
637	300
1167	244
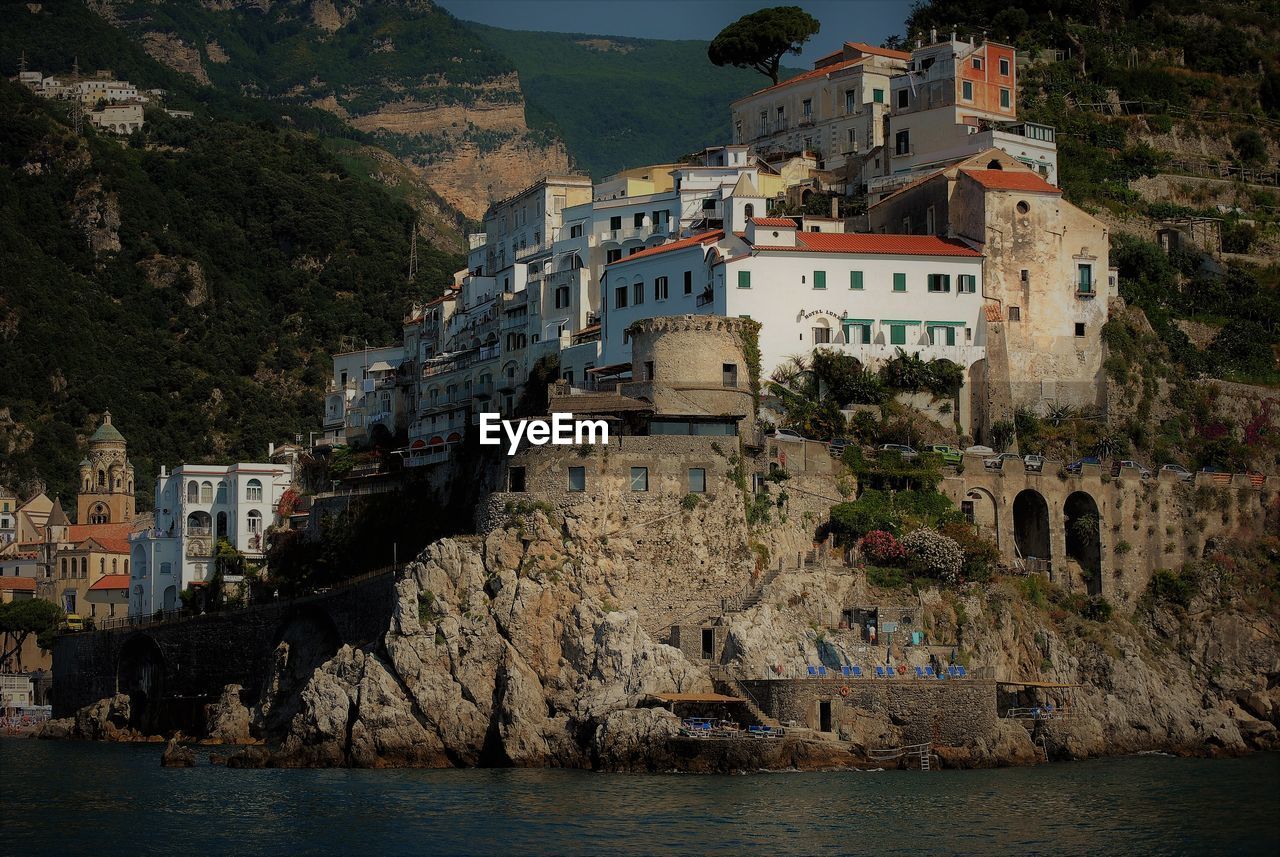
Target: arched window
193	492
198	524
64	567
253	491
102	479
255	522
206	492
126	566
102	565
222	492
84	567
115	565
139	563
749	211
222	525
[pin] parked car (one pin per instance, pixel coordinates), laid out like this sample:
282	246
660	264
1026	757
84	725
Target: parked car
838	445
979	450
75	622
948	454
1078	465
1178	470
1033	463
1127	464
997	463
899	448
787	434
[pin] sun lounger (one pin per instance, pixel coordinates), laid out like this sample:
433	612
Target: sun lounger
844	670
822	672
879	672
812	671
963	672
919	672
928	672
857	672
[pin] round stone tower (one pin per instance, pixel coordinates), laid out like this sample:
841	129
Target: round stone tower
694	365
106	478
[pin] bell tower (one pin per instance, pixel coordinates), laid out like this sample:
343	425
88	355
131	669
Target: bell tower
106	478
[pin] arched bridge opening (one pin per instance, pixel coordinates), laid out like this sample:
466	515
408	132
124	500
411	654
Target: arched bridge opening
1031	526
1083	538
140	675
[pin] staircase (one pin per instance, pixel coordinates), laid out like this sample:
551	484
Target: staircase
923	753
753	596
723	680
1042	749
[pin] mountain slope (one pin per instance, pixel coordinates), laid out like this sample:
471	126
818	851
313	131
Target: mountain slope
196	286
621	102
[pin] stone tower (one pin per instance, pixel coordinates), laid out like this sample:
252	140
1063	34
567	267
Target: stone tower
106	478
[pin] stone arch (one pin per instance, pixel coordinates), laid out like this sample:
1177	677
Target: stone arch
979	506
140	673
1031	525
1082	525
302	643
748	211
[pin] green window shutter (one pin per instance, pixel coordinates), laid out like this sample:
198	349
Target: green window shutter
878	96
855	280
744	279
951	335
944	281
899	282
897	334
819	279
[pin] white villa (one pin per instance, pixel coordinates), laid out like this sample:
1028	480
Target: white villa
197	506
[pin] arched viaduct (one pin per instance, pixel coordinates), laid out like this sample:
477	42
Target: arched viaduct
171	669
1104	535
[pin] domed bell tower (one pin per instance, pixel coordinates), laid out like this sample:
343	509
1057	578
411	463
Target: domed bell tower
106	478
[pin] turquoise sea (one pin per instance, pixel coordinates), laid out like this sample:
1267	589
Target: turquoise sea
102	799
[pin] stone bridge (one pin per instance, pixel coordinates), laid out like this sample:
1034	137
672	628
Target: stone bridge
170	669
1101	534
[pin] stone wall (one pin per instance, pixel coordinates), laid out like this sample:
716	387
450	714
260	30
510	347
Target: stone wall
948	712
198	656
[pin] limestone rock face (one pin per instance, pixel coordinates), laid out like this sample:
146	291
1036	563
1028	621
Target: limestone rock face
228	719
177	756
105	720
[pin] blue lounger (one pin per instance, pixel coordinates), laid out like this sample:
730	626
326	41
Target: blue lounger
844	670
879	672
822	671
963	672
919	672
857	672
812	671
928	671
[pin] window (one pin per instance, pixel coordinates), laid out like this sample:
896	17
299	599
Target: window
206	492
697	480
688	282
899	282
660	290
64	567
856	332
709	204
822	336
615	222
515	479
1005	98
648	370
253	491
902	142
855	280
637	293
929	221
904	97
942	335
966	284
1004	67
575	231
634	250
1084	278
620	297
1079	328
729	374
613	255
897	334
1022	206
1024	275
639	479
193	492
577	479
1015	313
744	279
819	279
977	63
850	100
806	107
255	522
877	95
939	282
562	297
748	211
637	219
966	90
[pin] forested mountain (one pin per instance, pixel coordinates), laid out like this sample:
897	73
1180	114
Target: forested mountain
195	282
619	102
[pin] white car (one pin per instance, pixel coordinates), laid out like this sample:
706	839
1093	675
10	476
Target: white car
787	434
997	463
1178	470
1034	463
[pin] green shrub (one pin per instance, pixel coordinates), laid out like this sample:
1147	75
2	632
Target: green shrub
886	578
1177	588
690	502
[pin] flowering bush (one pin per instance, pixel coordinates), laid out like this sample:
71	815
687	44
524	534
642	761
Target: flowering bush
932	554
882	548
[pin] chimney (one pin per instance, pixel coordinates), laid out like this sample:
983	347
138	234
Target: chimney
164	471
953	35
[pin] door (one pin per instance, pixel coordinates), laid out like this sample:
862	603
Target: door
824	715
708	644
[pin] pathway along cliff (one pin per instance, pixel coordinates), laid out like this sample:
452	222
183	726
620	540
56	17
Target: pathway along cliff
518	648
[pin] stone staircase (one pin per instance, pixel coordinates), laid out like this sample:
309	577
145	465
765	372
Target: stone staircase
727	683
753	596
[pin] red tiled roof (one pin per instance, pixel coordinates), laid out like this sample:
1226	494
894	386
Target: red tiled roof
110	581
880	52
877	244
18	584
1024	180
993	312
683	243
809	75
785	222
114	538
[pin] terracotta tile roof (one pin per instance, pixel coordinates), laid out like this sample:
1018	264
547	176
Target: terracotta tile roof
597	403
785	222
864	243
880	52
18	584
683	243
110	581
113	538
993	312
1024	180
808	75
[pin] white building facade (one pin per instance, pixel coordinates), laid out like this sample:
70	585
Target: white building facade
197	506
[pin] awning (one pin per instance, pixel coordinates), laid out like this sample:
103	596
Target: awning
611	369
944	324
381	366
897	321
698	697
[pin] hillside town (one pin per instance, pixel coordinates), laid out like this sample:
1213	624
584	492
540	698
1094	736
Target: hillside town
886	208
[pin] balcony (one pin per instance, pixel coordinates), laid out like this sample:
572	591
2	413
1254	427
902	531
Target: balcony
532	250
633	233
196	532
705	298
1084	291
